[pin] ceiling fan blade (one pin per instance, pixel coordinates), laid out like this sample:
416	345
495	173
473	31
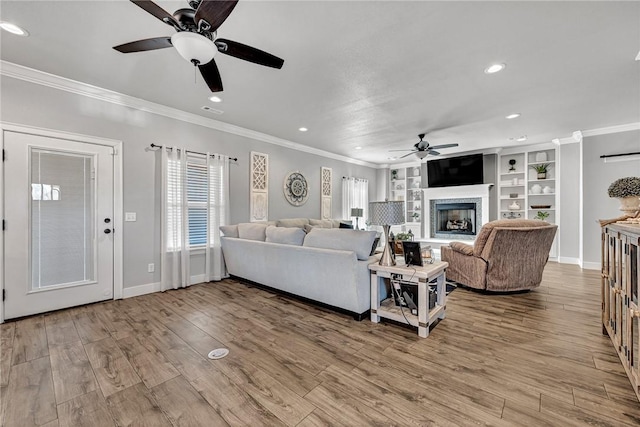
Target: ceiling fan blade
156	11
444	146
215	12
211	76
401	150
248	53
407	155
144	45
433	152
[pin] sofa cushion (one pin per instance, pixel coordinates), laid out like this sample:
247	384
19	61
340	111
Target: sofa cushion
324	223
285	235
486	230
292	222
359	242
252	231
229	230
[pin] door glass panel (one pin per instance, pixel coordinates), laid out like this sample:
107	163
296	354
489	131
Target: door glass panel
635	342
633	278
62	217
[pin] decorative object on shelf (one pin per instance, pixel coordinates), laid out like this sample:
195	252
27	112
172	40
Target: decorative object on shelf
427	255
416	171
259	190
326	190
296	189
536	189
515	206
417	207
541	156
541	169
514	181
627	191
541	215
512	165
513	195
416	184
547	190
386	214
416	196
540	206
511	215
416	216
357	213
394	174
399	187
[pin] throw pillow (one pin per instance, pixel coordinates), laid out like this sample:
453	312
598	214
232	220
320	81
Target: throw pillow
359	242
229	230
324	223
345	225
252	231
285	235
292	222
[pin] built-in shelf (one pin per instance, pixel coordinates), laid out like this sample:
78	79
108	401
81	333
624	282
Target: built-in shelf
541	194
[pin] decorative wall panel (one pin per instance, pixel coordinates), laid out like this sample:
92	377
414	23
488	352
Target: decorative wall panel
259	190
326	192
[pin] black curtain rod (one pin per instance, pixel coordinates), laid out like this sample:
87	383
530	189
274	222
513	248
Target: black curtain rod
604	156
235	159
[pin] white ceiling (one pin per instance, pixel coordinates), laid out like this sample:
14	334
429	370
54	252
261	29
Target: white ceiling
365	73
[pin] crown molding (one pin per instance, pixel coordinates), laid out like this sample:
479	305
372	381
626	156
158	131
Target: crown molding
612	129
12	70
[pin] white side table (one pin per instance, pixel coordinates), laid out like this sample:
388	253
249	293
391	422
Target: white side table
420	276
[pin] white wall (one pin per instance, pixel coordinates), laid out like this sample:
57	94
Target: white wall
597	178
35	105
569	202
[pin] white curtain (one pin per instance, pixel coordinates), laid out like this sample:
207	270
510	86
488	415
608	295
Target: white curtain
174	261
355	194
217	214
195	203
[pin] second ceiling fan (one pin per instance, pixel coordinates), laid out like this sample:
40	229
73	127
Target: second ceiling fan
195	39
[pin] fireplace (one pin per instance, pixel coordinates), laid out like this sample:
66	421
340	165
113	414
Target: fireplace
455	218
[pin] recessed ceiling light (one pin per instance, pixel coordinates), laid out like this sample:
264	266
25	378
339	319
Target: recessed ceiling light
522	138
358	148
638	57
391	158
513	116
494	68
303	129
215	99
13	29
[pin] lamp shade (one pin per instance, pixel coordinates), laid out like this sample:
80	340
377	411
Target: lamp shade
357	212
386	213
194	47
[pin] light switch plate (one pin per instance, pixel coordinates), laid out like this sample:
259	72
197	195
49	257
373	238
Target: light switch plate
129	216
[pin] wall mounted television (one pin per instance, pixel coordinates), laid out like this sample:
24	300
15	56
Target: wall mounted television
453	171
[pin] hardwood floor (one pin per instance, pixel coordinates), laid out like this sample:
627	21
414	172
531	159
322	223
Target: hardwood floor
529	359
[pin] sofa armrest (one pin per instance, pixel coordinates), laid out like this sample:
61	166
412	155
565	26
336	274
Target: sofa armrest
463	248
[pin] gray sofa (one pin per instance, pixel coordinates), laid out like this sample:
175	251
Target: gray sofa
326	265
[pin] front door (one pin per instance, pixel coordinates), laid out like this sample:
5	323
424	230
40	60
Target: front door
58	238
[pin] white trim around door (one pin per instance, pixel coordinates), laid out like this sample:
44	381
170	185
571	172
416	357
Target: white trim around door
118	279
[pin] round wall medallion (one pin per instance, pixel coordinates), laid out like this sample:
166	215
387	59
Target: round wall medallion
296	190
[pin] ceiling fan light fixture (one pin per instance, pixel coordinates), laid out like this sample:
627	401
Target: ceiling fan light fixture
194	47
421	154
215	99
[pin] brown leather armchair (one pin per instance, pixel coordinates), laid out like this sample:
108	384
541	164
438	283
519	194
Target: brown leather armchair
508	255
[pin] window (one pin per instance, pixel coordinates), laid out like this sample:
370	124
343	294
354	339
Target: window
355	194
205	196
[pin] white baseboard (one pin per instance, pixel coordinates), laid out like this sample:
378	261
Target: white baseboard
135	291
591	266
150	288
568	260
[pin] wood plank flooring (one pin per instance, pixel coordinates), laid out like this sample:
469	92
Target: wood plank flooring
533	359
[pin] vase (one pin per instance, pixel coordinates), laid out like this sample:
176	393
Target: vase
629	205
541	157
536	189
542	175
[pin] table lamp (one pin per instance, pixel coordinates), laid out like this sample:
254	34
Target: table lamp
357	213
386	214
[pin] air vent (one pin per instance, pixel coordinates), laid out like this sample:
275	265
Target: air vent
211	110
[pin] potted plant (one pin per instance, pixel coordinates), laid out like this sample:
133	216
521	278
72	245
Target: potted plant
627	190
541	215
416	216
541	169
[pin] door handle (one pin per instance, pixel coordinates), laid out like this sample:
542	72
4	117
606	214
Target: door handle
107	230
